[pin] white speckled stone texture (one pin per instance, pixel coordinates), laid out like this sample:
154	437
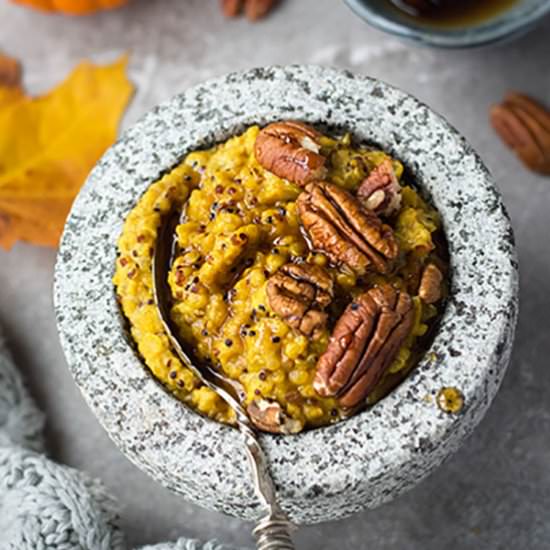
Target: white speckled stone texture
494	492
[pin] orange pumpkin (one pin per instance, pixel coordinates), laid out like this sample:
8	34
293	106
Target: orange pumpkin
73	7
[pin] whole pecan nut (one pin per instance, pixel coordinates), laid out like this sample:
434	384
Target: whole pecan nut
254	9
340	227
299	293
524	125
364	343
291	150
270	417
381	191
430	290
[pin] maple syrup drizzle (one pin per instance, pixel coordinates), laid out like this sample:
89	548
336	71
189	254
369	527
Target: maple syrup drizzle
452	13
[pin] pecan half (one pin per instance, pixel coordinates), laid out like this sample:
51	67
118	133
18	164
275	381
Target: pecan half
363	345
524	125
270	417
299	293
340	227
254	9
430	284
381	191
291	151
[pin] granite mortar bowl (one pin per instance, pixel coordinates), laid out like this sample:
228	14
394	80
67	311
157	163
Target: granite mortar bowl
331	472
506	24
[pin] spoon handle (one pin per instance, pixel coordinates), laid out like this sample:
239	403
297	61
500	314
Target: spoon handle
272	532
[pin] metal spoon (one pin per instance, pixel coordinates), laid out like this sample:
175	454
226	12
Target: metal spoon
272	531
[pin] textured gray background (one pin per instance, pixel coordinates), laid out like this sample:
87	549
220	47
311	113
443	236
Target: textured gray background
494	493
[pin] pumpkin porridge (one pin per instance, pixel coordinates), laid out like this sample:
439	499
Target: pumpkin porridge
307	269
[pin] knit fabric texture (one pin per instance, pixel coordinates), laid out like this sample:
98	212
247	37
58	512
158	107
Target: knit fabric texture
44	505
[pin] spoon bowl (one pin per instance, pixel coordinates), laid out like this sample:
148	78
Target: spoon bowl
164	252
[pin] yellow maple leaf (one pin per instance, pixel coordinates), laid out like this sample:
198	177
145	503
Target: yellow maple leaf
49	144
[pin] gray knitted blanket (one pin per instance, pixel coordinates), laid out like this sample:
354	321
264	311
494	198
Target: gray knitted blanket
44	505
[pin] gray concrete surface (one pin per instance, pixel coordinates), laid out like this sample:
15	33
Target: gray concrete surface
495	492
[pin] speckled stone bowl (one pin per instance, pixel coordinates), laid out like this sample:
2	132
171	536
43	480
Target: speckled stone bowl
335	471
